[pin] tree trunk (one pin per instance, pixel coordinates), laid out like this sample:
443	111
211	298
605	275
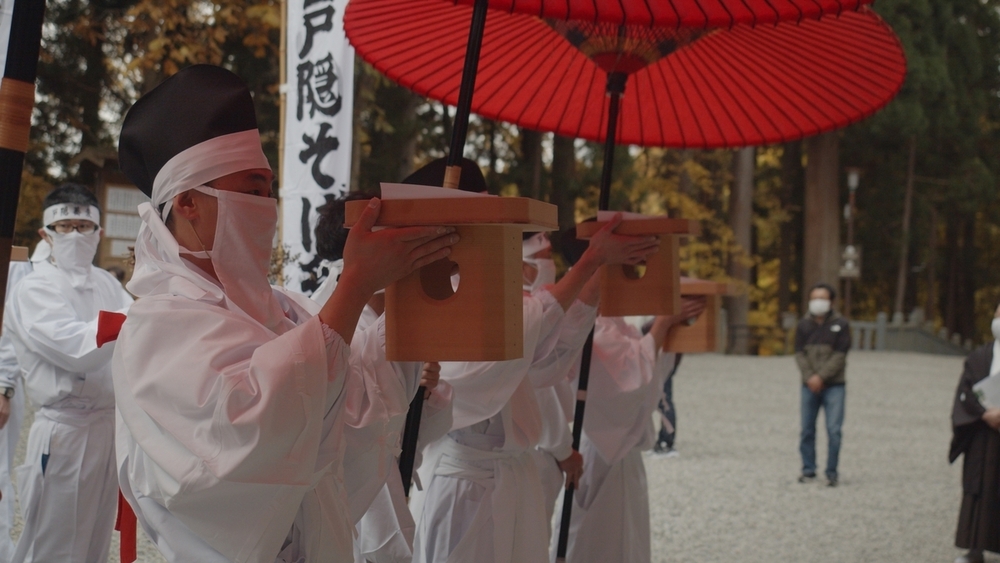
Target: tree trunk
531	155
563	179
904	244
741	221
967	289
930	306
951	299
821	239
791	171
364	85
409	148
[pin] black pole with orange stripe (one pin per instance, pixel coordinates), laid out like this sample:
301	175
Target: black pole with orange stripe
17	99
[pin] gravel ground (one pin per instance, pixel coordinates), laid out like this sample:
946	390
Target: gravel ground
732	494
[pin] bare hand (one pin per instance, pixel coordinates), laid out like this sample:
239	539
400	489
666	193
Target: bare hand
4	411
815	384
573	468
992	418
430	377
608	248
378	258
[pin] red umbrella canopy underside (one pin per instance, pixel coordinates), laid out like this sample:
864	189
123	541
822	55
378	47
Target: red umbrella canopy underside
738	87
675	13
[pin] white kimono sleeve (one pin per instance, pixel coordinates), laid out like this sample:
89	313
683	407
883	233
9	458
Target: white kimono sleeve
51	329
481	389
251	407
571	334
621	382
376	402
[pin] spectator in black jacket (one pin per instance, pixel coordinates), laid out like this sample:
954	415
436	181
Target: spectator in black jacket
975	419
821	343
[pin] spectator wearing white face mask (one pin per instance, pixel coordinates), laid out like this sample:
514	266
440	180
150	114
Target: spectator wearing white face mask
822	341
67	486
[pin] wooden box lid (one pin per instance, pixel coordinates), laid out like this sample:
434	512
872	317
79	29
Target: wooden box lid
19	254
529	214
648	226
695	286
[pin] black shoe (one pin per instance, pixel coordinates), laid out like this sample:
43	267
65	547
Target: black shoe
831	481
807	478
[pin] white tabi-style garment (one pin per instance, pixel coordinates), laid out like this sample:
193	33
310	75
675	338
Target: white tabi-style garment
385	532
232	436
67	486
384	525
484	501
551	380
10	376
610	520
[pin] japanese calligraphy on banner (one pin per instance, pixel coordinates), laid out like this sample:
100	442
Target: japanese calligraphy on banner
318	109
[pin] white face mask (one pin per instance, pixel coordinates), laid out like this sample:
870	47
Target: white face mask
74	253
995	327
819	307
546	273
241	253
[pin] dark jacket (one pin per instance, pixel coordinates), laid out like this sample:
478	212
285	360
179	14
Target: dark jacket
821	348
967	412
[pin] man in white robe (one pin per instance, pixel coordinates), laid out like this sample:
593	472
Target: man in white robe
11	409
485	502
238	407
385	529
610	515
67	486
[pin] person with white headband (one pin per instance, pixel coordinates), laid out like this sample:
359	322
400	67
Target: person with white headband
236	402
67	485
385	527
484	499
610	516
558	463
12	406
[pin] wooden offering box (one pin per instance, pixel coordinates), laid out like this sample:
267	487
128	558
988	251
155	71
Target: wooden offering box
703	335
626	292
482	320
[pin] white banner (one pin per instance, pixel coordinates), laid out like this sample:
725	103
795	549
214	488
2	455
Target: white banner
318	110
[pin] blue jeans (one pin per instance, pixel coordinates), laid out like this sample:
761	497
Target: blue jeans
832	401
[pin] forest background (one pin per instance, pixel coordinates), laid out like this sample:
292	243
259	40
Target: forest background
940	136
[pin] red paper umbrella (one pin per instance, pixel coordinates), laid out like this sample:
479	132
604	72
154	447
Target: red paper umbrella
677	13
726	88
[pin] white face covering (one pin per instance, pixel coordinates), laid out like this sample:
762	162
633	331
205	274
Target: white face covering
241	253
546	275
995	327
819	307
74	253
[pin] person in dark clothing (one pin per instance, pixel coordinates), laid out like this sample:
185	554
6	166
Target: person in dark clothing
975	433
822	341
668	413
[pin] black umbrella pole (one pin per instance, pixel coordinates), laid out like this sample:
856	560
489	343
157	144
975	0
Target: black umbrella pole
411	432
461	123
17	99
581	405
615	89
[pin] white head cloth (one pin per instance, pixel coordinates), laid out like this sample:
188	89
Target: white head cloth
42	252
74	211
158	265
534	245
